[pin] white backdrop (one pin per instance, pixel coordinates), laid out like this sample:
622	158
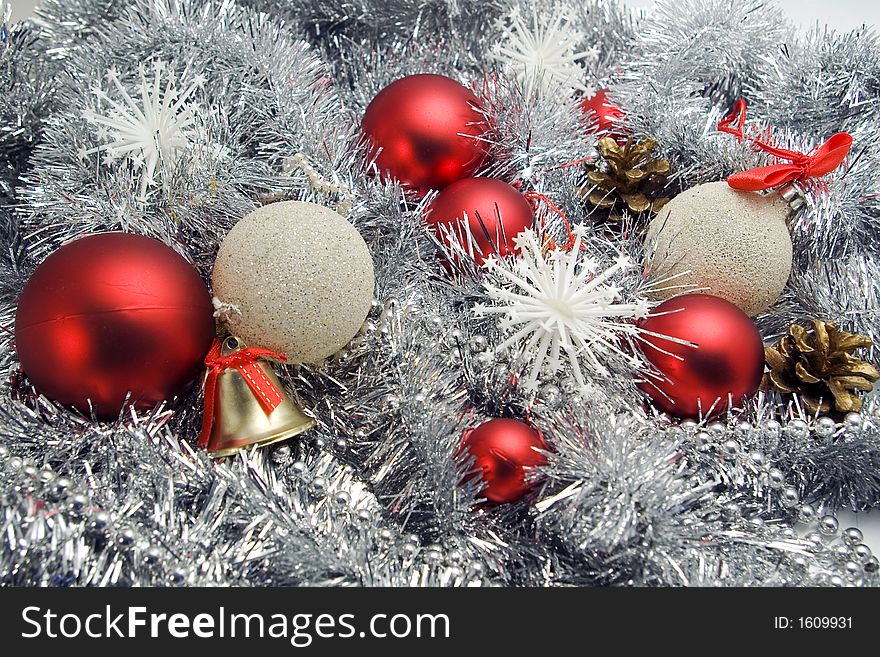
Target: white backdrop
838	14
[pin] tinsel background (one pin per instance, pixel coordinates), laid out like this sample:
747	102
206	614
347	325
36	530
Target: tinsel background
375	494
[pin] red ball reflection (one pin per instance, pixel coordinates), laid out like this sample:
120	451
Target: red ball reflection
722	354
110	314
428	129
495	213
502	449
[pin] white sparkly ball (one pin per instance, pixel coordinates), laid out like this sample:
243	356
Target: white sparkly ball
735	244
301	276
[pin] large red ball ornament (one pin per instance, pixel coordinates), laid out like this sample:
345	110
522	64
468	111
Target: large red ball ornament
110	314
502	449
428	130
722	357
606	115
494	211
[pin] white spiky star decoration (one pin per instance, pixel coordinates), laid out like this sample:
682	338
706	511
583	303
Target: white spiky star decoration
560	307
543	52
145	130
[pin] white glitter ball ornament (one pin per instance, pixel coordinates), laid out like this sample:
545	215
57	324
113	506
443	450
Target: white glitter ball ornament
735	245
300	276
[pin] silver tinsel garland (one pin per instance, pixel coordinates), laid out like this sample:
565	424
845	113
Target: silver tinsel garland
378	493
26	98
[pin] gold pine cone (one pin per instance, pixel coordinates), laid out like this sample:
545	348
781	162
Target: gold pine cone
820	368
632	175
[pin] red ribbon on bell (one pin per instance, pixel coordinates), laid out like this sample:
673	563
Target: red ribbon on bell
245	361
800	166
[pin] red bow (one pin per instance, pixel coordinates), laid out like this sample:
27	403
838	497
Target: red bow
824	159
245	361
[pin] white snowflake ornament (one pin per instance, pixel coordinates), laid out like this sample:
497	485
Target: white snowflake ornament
542	54
145	130
559	306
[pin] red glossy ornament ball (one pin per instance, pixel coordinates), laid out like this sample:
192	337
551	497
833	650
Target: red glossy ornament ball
502	449
495	213
725	355
110	314
428	129
606	115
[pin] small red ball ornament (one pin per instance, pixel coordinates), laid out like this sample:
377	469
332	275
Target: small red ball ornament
606	115
110	314
723	358
502	449
494	211
428	130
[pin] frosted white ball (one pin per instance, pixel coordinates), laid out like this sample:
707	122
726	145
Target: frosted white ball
302	277
735	244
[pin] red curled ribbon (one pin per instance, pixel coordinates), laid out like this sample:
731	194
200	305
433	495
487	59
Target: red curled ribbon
824	159
245	361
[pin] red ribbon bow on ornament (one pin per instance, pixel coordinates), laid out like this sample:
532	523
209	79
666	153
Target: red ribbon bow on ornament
823	160
245	361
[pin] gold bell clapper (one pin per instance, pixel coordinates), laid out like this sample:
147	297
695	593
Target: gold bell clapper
245	403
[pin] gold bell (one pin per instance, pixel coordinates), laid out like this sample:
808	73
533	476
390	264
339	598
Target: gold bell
239	419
